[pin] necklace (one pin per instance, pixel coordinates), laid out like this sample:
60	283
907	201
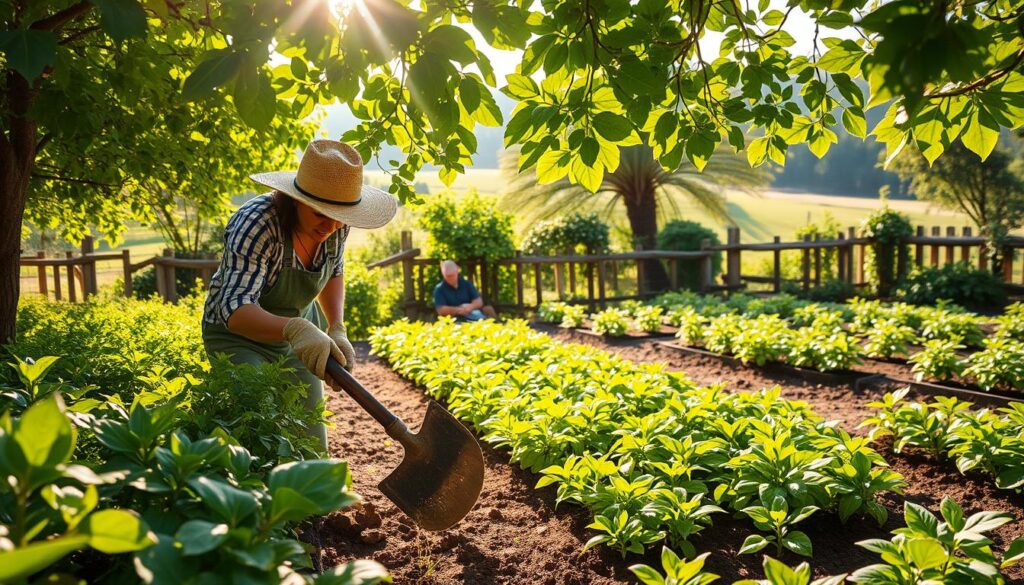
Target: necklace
298	236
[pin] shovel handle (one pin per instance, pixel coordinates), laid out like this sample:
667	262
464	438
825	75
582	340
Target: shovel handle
361	395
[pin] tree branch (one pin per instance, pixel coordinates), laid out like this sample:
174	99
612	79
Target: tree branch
79	34
56	21
990	78
72	180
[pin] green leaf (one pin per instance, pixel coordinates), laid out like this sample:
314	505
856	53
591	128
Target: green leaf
1014	554
953	514
589	150
797	542
520	87
45	434
779	574
17	564
612	126
985	521
647	575
230	503
469	94
919	519
28	51
854	122
842	58
163	564
361	572
254	98
122	19
116	531
926	553
216	70
324	482
753	543
981	133
199	536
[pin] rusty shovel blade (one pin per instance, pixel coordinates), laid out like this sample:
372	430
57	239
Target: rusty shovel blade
442	472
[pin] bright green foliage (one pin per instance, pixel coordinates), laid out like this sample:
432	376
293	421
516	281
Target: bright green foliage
551	312
648	318
762	340
573	316
571	233
677	571
938	359
611	322
976	439
691	326
782	305
999	365
367	303
960	283
889	229
652	455
777	520
466	228
953	550
777	573
721	333
824	348
888	338
188	508
686	236
947	325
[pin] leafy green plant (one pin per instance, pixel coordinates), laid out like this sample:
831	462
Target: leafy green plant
691	326
762	340
778	573
946	325
927	550
573	316
938	359
999	365
682	515
823	348
677	571
611	322
721	333
686	236
575	232
621	531
960	283
888	338
648	318
889	230
551	312
777	519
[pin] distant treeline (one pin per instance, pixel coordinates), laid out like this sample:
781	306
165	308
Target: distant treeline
849	168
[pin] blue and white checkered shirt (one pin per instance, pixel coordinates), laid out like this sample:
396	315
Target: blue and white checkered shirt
253	249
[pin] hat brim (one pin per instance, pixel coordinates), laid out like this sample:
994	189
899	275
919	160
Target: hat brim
375	208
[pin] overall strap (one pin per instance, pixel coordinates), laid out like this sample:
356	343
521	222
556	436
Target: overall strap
288	254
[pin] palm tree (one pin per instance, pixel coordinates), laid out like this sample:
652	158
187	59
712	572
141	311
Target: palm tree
643	187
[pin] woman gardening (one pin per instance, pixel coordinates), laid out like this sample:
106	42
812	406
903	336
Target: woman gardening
284	250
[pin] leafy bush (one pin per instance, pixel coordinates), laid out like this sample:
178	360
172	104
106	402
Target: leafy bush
781	304
938	360
888	338
824	348
999	365
945	325
466	228
762	340
575	232
686	236
721	333
551	312
648	319
573	316
611	322
889	254
369	302
960	283
691	326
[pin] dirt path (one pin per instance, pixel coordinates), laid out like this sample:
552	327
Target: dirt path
515	535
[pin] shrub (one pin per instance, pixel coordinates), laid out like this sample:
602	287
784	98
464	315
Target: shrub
938	360
721	332
999	365
824	349
573	316
686	236
611	322
691	326
889	252
551	312
888	338
575	232
648	319
369	303
960	283
946	325
762	340
466	228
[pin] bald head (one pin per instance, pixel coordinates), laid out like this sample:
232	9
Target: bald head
450	272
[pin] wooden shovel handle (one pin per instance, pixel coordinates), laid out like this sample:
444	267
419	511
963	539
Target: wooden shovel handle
361	395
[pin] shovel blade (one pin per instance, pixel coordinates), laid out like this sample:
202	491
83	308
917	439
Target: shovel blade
439	479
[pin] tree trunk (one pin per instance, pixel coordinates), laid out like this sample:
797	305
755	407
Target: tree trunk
642	211
17	156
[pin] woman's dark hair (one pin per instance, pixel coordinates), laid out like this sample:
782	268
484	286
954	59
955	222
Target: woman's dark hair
287	215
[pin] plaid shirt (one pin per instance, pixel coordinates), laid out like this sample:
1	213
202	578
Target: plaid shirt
253	249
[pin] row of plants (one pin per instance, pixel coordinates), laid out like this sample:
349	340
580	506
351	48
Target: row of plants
652	455
985	440
140	467
955	549
613	322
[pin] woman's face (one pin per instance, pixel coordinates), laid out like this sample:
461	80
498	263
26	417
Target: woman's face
315	224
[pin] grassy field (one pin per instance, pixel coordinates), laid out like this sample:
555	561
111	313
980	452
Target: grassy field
759	216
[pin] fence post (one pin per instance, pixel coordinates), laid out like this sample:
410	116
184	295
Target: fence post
851	234
706	277
806	265
919	248
600	282
88	268
559	278
41	272
950	233
841	258
638	247
1007	264
126	266
732	277
936	232
171	280
56	282
965	250
519	281
408	293
72	294
538	284
590	285
776	266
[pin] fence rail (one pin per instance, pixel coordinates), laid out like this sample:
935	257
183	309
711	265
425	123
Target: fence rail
523	282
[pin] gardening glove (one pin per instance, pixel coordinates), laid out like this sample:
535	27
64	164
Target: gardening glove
311	345
338	333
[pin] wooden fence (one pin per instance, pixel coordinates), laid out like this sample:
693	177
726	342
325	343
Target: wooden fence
523	282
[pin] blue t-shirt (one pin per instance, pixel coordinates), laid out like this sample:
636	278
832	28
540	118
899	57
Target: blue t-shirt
447	296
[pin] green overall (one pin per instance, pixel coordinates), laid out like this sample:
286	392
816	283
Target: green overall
292	295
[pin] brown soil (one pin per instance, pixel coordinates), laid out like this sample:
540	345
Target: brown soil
515	534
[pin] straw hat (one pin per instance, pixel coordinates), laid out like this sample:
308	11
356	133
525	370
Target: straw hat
330	180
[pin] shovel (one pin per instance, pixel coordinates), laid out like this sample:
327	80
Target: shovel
440	477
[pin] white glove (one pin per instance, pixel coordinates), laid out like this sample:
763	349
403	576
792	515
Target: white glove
311	345
338	333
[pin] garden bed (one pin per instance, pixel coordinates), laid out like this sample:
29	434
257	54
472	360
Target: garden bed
516	535
666	331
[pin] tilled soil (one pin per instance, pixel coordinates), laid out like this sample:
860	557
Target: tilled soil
516	535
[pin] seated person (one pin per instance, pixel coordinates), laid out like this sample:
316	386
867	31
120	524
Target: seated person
457	297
